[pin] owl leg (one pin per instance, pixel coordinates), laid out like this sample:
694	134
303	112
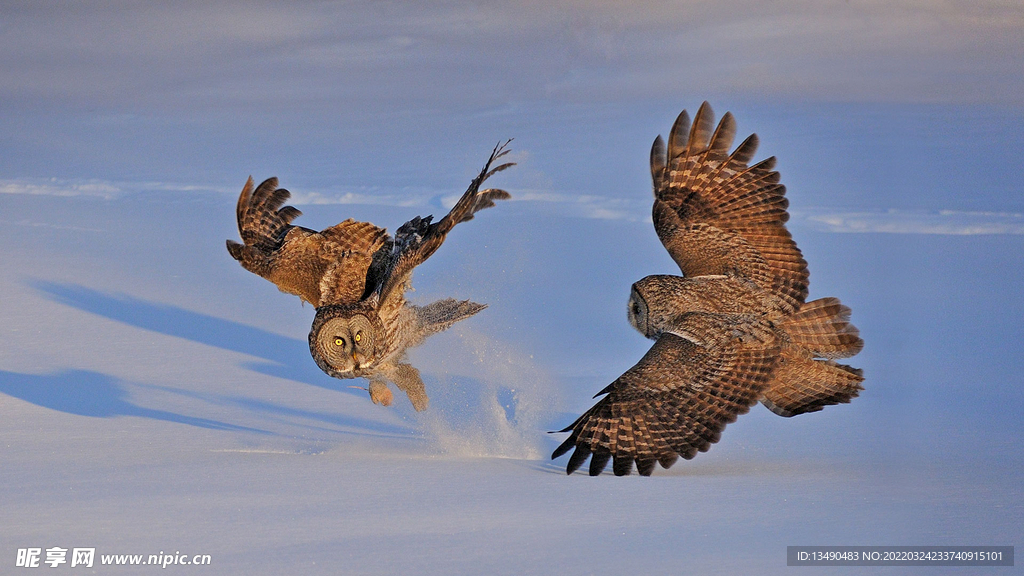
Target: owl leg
408	380
380	393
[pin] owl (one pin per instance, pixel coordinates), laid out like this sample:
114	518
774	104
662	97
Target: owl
356	275
733	330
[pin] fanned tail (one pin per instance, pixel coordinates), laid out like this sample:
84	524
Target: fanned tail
807	379
439	316
802	384
823	328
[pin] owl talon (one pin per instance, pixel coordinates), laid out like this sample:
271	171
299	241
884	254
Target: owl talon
381	394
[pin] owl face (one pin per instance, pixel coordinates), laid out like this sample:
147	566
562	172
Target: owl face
656	301
638	312
346	343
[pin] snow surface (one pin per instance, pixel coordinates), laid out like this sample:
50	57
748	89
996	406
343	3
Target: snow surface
158	398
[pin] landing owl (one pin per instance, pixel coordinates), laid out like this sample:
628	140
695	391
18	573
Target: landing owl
733	330
356	276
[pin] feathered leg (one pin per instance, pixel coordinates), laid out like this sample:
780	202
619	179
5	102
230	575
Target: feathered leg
379	391
408	380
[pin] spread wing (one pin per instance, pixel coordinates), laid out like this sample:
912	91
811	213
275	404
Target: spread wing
717	215
677	400
327	267
417	239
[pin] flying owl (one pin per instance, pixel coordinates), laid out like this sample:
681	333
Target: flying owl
735	329
356	276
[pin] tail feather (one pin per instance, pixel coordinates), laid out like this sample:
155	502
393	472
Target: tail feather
823	328
439	316
803	384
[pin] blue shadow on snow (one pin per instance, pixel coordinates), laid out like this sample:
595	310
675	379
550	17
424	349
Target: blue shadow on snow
86	393
284	357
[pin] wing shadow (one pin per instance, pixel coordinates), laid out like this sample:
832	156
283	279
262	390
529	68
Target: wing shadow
336	422
283	357
86	393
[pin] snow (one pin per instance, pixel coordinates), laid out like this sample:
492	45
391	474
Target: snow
158	398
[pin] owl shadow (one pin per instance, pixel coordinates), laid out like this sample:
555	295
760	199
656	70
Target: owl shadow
284	357
86	393
281	356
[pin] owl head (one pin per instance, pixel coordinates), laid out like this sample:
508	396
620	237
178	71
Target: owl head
656	301
347	341
638	312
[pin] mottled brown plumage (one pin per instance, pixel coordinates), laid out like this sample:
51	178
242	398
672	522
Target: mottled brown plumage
819	330
356	276
716	215
734	329
679	397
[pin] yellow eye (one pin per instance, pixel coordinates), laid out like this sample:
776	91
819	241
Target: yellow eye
339	341
359	337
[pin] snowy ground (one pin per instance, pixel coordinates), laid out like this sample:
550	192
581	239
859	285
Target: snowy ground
158	398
